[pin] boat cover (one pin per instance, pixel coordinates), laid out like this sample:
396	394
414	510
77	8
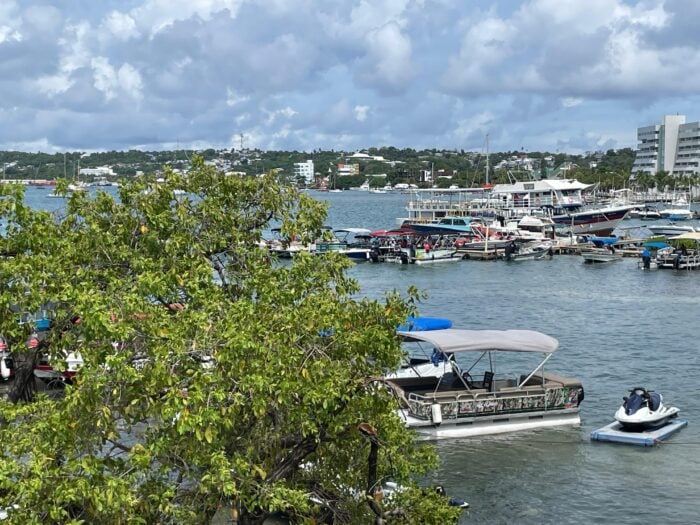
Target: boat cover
603	241
656	245
356	231
457	340
688	235
424	323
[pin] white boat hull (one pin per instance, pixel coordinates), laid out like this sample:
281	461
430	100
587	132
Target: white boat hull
489	425
451	258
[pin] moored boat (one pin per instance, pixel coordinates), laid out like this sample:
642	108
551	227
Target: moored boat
355	243
599	221
670	229
527	251
601	250
445	226
458	405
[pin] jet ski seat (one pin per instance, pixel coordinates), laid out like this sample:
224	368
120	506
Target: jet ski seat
654	401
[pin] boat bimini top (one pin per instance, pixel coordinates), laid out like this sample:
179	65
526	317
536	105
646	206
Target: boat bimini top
453	340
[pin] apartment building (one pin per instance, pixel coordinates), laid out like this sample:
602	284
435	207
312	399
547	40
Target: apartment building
672	146
304	170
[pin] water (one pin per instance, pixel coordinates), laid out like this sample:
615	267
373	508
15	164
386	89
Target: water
618	327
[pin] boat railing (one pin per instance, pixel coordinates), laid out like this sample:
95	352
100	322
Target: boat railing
479	402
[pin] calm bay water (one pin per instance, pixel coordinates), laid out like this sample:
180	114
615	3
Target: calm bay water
618	327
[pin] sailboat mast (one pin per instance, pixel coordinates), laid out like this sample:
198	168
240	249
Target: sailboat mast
488	168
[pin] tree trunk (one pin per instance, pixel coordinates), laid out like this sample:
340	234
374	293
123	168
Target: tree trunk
23	386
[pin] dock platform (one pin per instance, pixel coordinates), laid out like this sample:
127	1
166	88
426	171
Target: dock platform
614	433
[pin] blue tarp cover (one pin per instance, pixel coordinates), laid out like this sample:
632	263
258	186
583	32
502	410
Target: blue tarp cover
655	244
424	323
603	241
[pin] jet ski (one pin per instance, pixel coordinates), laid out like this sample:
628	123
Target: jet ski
644	410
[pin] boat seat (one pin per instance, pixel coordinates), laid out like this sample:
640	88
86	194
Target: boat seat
487	383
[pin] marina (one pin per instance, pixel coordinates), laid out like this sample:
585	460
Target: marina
343	263
615	324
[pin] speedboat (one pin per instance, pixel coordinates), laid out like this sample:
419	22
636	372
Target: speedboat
600	250
669	230
644	410
527	251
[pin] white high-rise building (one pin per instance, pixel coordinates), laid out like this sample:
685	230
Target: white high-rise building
672	146
688	153
304	170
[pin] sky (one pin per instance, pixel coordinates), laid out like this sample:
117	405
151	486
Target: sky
532	75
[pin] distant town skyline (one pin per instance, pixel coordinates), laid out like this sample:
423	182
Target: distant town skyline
537	75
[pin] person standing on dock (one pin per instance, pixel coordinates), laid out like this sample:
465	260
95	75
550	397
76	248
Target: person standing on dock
646	258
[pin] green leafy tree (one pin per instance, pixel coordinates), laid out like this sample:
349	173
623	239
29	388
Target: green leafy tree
213	375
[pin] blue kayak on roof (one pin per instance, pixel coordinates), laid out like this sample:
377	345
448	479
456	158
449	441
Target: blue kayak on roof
414	324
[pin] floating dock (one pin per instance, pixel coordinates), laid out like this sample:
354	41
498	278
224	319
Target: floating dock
614	433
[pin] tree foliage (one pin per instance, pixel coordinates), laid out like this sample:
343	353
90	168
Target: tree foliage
213	375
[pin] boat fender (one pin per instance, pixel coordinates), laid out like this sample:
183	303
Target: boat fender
4	370
436	413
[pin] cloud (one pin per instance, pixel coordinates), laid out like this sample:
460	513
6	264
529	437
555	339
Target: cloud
387	64
121	26
305	74
112	82
156	15
570	102
233	98
598	48
361	113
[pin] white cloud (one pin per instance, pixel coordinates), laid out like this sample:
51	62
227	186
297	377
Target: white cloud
586	48
73	54
308	73
272	116
156	15
361	113
9	22
121	25
233	98
477	124
8	34
570	102
111	82
387	64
